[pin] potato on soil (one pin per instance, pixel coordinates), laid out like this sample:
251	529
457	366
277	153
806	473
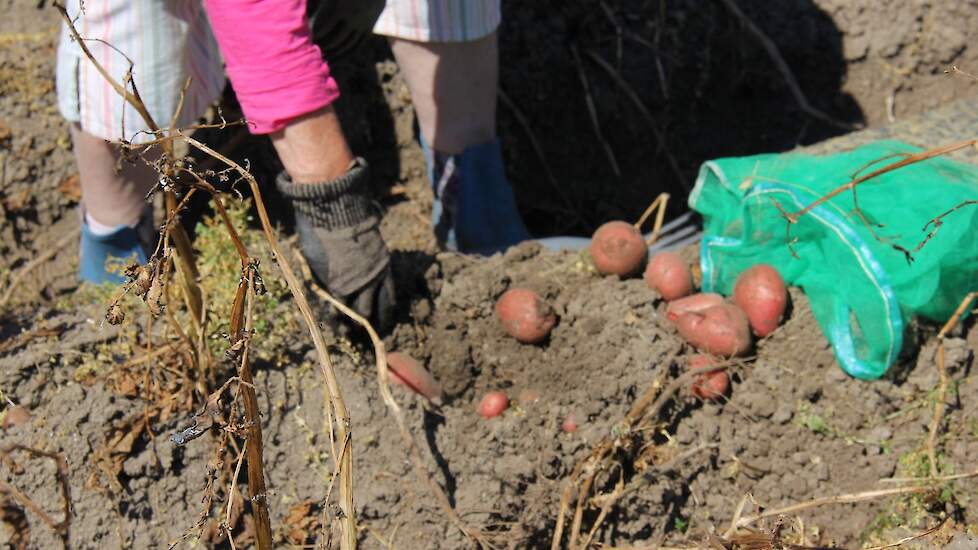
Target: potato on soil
692	304
15	416
709	386
617	248
569	425
669	275
761	293
525	316
406	371
719	330
493	404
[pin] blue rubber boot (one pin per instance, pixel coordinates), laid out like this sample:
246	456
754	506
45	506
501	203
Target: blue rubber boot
474	210
123	244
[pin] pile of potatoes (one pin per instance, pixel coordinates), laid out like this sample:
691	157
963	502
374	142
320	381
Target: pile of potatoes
713	325
717	327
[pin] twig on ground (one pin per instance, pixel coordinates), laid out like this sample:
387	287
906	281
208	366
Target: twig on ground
63	527
609	501
939	403
911	538
738	513
593	112
954	477
383	382
648	405
772	51
40	259
954	70
837	499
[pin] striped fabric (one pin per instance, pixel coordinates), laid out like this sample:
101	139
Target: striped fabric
439	20
166	40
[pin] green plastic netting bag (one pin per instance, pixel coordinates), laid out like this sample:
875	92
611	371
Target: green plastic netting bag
862	290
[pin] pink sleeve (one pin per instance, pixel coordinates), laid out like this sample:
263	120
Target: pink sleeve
277	72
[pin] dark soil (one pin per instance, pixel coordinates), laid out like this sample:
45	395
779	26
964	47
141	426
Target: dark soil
794	426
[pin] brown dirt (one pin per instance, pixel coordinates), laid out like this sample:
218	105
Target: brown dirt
794	427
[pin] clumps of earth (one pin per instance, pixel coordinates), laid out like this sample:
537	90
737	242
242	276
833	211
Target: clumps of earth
790	426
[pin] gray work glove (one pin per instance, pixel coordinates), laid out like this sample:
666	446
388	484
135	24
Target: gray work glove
339	26
340	238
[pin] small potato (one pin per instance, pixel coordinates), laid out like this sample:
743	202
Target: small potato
569	425
669	275
761	293
525	316
16	416
719	330
493	404
617	248
692	304
406	371
709	386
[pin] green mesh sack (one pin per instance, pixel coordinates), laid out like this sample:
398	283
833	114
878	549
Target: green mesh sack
862	290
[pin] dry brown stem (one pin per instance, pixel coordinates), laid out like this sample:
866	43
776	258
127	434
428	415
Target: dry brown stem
953	477
186	266
659	207
837	499
383	383
648	405
939	402
344	462
241	332
192	292
772	51
63	527
911	538
29	266
905	161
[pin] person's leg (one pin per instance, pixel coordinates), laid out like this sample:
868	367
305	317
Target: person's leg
117	219
155	37
110	197
453	88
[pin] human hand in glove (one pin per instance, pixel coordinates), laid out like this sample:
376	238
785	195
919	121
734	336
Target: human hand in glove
340	238
339	26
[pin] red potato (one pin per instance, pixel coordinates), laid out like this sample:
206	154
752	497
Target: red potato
16	416
761	293
709	386
525	316
692	304
493	404
669	275
719	330
617	248
569	425
406	371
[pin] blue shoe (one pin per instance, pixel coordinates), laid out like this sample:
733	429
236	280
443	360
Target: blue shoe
123	244
474	210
